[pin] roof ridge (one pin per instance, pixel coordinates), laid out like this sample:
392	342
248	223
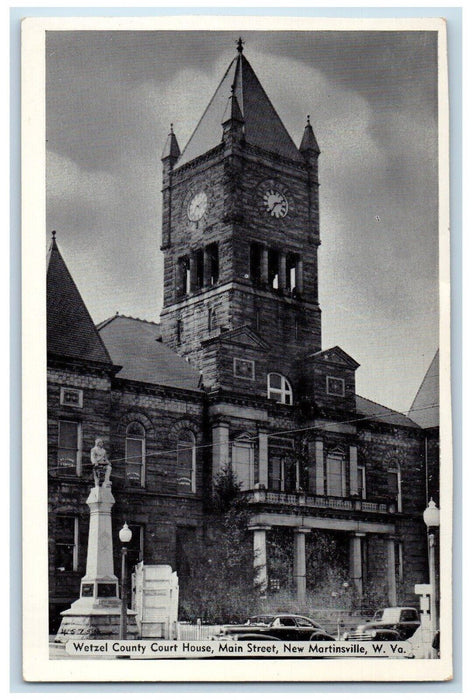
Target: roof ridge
102	324
392	410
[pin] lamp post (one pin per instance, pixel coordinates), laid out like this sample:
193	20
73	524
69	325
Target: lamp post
334	595
125	536
431	519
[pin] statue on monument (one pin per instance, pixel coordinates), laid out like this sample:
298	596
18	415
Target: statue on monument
100	463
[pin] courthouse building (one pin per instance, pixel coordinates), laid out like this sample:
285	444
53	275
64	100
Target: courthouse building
234	374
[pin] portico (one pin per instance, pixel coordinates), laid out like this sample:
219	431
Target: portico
302	525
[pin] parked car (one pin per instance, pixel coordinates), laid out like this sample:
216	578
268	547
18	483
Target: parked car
279	626
387	623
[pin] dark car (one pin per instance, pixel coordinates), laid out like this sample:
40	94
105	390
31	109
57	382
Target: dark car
279	626
388	623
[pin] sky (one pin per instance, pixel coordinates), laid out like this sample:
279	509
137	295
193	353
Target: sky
372	101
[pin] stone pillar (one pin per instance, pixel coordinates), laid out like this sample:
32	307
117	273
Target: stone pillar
220	447
391	573
299	563
264	264
299	276
319	466
282	271
193	271
260	556
96	614
206	267
355	561
353	488
263	458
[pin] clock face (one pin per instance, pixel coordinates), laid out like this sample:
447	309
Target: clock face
275	203
197	206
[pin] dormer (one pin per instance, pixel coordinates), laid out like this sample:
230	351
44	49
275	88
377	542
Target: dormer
330	380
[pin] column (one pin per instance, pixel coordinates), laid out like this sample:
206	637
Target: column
263	459
260	556
353	487
299	562
220	447
299	276
319	466
355	561
206	267
264	264
391	573
192	261
282	271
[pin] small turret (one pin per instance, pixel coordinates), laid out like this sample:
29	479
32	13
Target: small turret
233	120
309	146
171	152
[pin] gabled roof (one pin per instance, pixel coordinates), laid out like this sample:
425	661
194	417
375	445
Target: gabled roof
262	125
382	414
425	407
336	355
132	343
243	335
71	332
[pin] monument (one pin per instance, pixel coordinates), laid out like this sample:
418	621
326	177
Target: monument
96	614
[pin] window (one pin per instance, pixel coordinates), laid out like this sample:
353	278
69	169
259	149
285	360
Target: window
335	386
335	475
283	468
135	453
278	388
213	263
211	320
198	262
67	536
273	269
361	485
186	462
69	456
183	270
394	478
71	397
255	257
242	461
291	273
243	369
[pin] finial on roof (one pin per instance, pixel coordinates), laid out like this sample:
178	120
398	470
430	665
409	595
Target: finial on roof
171	127
240	43
53	233
308	120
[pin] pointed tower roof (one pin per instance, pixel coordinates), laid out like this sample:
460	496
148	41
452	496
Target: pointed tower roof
71	332
232	112
262	125
171	148
425	407
309	142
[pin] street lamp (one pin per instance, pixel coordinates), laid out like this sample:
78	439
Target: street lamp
431	519
125	536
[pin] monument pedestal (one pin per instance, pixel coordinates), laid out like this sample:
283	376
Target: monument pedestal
96	614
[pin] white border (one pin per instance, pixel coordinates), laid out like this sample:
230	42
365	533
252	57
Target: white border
37	665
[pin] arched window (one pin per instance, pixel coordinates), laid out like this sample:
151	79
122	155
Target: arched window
278	388
186	462
394	478
135	452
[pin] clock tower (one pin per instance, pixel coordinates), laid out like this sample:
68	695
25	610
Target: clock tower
240	236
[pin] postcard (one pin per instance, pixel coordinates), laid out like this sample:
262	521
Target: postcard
237	445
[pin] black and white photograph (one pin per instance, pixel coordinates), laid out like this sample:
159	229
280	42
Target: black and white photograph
244	314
